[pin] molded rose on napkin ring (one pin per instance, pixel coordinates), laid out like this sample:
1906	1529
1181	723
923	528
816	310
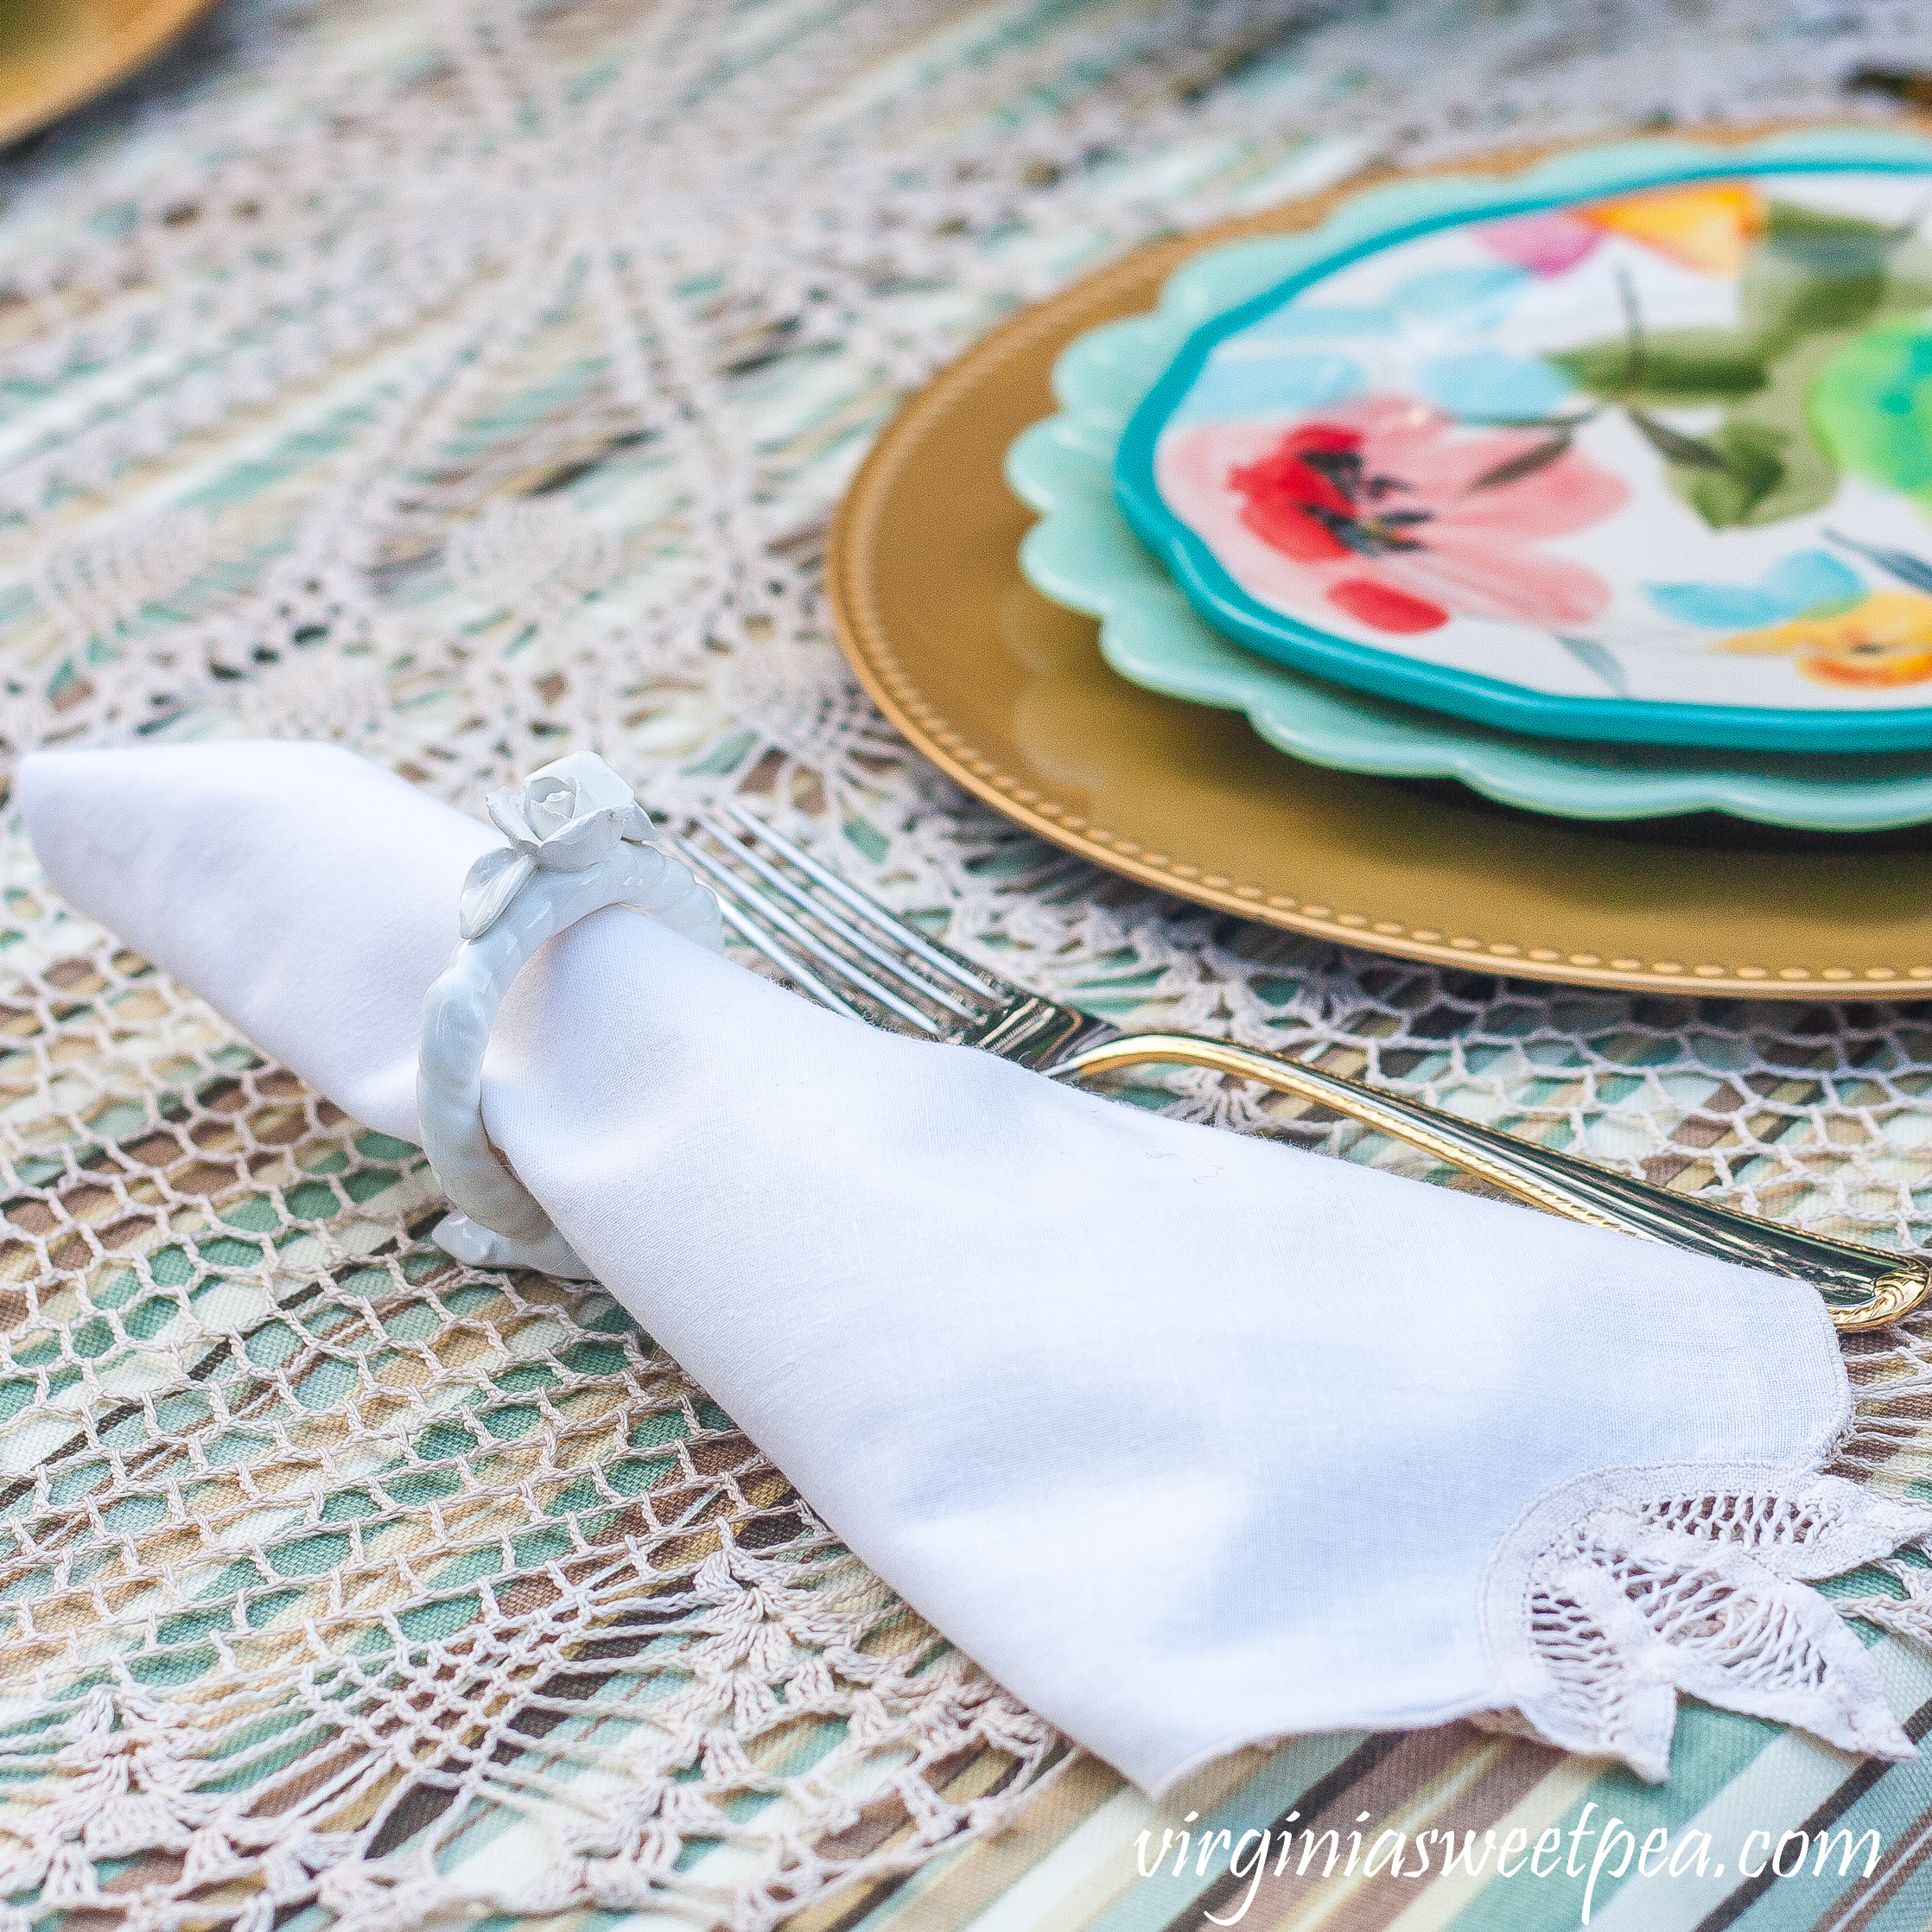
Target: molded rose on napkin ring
575	835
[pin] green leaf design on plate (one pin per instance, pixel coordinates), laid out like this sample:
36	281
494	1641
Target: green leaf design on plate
1674	446
1773	465
1813	274
1679	366
1812	288
1538	457
1873	407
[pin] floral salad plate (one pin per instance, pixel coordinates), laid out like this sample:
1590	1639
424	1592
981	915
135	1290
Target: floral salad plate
1082	555
1636	448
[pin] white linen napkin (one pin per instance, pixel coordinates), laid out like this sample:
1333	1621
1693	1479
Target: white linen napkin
1191	1441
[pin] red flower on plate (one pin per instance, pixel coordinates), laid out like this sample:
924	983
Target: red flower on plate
1383	510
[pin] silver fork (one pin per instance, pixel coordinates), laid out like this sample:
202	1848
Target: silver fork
840	947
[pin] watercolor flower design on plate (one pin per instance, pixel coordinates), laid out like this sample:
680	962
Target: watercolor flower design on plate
1379	506
1684	436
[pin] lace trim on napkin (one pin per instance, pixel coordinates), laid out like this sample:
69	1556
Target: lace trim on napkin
1614	1592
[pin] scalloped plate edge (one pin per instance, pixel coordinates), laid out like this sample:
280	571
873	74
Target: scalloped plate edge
1083	554
1376	218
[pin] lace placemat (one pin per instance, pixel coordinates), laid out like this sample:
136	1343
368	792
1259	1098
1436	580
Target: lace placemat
472	383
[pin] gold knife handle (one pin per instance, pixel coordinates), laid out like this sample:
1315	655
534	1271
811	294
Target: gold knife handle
1888	1285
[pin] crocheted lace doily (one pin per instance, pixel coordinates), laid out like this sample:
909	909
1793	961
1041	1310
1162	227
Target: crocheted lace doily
471	383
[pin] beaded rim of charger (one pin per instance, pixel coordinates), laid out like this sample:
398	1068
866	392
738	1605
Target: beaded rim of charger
575	841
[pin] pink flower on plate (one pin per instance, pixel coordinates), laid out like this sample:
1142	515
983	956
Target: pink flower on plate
1550	243
1383	510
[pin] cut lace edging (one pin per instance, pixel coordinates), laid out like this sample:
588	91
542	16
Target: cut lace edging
1614	1592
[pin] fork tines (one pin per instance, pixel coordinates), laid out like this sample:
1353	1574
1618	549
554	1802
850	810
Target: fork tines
831	942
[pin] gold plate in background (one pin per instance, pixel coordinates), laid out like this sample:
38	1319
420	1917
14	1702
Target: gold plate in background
1008	693
56	53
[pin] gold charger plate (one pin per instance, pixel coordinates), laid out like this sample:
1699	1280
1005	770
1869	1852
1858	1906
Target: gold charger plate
1008	693
56	53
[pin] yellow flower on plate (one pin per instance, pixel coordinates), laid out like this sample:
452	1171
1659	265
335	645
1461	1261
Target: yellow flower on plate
1706	227
1886	639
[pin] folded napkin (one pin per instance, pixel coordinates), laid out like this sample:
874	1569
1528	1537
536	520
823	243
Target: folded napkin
1191	1441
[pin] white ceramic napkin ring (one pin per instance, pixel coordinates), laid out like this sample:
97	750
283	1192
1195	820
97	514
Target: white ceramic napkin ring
575	844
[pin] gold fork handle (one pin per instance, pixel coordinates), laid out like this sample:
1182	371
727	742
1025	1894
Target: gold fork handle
1888	1285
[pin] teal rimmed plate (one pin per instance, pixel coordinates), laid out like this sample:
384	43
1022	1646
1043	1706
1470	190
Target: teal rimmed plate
1634	448
1083	554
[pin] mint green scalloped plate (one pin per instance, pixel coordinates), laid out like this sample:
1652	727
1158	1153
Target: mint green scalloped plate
1082	555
